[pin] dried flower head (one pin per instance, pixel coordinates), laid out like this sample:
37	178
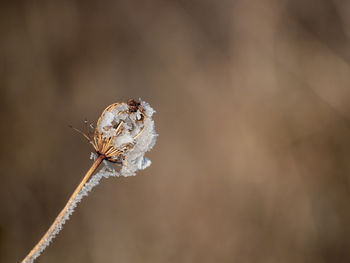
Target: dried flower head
124	133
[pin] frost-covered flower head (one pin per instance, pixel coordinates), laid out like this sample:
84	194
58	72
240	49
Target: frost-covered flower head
124	133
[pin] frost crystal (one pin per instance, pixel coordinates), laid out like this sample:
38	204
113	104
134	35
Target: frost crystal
131	129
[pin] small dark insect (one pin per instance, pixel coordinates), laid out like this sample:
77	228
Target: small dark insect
133	105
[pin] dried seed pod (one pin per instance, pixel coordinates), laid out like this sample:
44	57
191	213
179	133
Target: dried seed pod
124	133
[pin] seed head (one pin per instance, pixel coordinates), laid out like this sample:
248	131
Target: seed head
124	133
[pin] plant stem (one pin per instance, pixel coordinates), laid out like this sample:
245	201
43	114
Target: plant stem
33	254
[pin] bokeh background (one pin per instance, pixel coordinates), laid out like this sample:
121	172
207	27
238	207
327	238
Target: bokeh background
252	99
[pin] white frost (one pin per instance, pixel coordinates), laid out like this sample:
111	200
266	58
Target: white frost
123	139
141	134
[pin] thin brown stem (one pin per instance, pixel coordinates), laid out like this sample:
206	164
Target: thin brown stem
34	252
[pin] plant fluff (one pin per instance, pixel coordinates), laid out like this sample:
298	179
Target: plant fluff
123	134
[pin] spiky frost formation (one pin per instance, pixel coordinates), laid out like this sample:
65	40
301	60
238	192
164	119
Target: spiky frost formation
124	133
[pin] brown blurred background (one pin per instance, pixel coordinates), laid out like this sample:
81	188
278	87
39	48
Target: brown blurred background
252	99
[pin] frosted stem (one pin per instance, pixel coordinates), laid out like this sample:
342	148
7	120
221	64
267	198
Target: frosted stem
63	215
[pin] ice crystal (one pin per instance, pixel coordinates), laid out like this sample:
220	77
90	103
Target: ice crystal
133	132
